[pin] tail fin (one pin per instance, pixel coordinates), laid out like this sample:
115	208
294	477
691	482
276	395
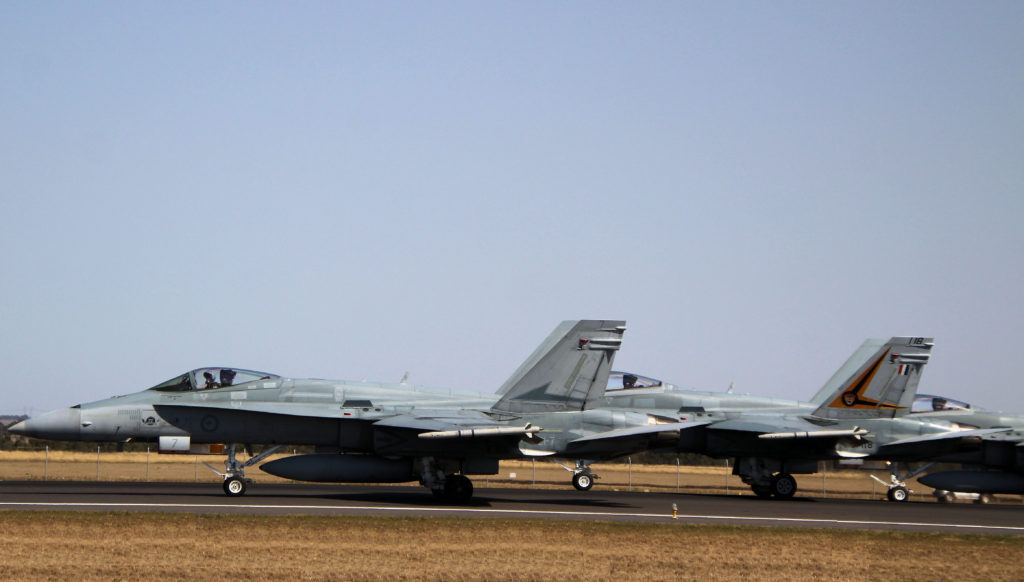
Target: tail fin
863	354
568	371
880	385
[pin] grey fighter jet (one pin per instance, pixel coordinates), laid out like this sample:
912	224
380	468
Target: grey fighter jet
554	405
369	432
997	466
862	412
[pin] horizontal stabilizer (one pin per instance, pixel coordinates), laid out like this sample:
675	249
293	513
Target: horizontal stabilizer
646	429
957	434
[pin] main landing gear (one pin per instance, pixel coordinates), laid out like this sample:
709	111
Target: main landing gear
452	487
779	485
764	481
235	481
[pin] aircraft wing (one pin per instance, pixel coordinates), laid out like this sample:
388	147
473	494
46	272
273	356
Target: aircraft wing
787	430
428	423
935	445
785	437
756	426
431	432
947	435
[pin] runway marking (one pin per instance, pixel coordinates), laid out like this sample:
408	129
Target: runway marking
667	516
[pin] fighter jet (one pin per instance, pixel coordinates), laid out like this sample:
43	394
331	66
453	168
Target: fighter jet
861	412
372	432
553	406
997	466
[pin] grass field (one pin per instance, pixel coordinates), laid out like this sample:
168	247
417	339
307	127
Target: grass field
85	546
141	466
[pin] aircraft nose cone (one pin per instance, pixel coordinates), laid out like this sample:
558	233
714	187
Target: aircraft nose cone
63	424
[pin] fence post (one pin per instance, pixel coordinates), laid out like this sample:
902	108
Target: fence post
197	468
630	461
824	469
147	464
677	473
727	476
534	486
97	462
46	464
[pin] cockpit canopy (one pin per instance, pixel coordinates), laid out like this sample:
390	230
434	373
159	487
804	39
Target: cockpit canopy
931	403
207	378
628	381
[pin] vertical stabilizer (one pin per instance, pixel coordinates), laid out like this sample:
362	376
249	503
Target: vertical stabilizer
869	348
884	383
568	371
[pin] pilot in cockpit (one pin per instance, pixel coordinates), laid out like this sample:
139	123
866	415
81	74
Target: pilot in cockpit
628	381
227	377
210	382
938	403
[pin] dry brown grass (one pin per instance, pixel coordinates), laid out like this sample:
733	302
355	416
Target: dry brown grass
118	546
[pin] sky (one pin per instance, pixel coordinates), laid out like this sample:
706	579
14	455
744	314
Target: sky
356	190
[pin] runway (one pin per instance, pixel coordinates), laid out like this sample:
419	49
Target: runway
597	504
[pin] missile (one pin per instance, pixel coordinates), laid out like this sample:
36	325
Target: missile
527	431
815	434
338	468
975	481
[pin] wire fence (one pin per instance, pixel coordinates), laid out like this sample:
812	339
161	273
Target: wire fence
150	466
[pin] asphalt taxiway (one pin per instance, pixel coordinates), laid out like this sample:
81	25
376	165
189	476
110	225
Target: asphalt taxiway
596	504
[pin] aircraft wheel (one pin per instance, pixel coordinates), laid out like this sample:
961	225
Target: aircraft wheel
458	489
783	486
898	494
582	481
234	486
764	492
984	498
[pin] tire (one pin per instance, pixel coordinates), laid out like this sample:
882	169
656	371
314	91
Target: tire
583	481
234	486
458	489
762	491
783	486
898	494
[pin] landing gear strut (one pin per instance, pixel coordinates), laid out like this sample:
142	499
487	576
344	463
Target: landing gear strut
582	477
235	481
898	490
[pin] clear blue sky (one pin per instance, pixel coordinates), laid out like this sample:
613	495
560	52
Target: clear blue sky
359	189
